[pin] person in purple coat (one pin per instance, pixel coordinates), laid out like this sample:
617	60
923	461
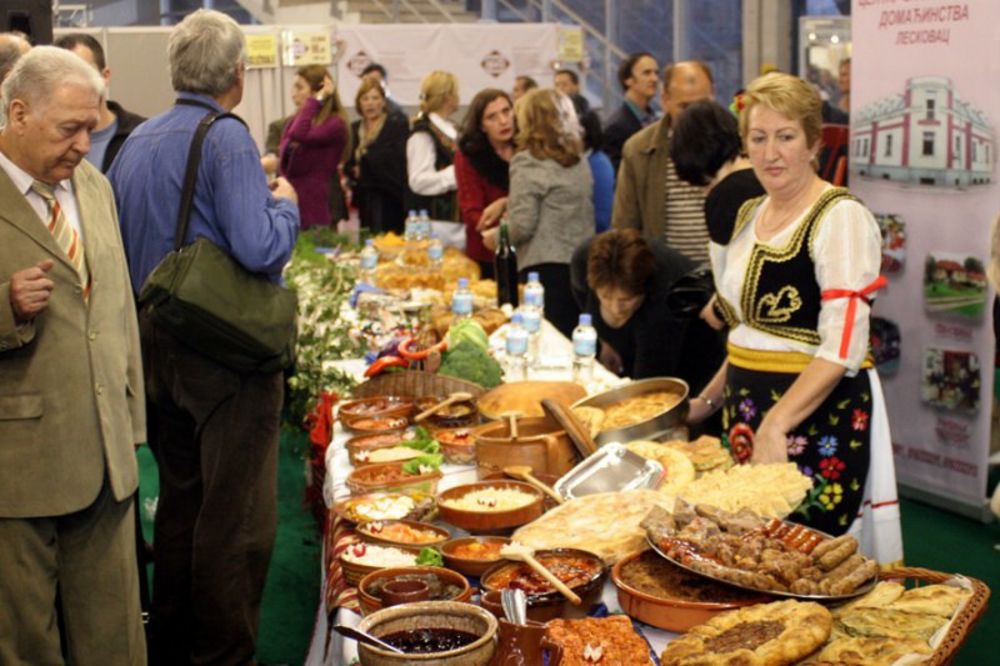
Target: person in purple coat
314	143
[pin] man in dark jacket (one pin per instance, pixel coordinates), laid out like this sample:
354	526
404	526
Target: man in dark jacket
116	123
639	76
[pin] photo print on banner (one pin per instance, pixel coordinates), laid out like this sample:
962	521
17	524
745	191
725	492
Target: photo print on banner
885	342
893	242
951	380
954	284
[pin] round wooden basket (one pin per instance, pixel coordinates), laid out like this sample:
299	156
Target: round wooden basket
961	624
416	383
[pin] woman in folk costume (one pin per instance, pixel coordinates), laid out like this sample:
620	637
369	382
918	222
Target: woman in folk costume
795	282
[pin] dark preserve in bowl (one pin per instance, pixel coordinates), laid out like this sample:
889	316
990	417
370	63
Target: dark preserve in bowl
429	640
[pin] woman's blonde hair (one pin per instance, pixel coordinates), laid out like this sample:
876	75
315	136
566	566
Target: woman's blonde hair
367	85
435	89
791	97
547	126
314	75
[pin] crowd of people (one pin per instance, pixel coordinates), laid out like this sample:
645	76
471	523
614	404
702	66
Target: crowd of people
613	217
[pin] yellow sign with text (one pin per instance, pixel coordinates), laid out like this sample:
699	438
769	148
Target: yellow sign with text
262	51
570	44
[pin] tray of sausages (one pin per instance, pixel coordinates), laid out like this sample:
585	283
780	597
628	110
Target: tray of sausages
771	556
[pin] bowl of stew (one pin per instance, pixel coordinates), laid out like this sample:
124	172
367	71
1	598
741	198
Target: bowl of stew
581	571
473	555
380	405
436	633
443	585
391	478
377	425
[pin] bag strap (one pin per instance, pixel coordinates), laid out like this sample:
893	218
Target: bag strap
191	171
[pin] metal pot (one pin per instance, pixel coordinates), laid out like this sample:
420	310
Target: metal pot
673	418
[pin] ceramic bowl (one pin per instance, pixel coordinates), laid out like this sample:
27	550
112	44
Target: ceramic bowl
374	532
467	565
479	522
431	614
370	603
377	425
677	615
461	414
457	444
380	405
390	478
549	605
355	571
360	447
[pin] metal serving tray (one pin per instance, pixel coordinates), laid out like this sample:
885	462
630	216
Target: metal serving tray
650	428
612	468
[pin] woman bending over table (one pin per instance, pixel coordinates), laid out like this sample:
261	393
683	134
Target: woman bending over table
795	282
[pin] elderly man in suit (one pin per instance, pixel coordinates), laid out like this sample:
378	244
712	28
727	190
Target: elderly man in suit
71	387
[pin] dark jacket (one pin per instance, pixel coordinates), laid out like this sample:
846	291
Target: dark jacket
127	122
654	342
622	125
381	186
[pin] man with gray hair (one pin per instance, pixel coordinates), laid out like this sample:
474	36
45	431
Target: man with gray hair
71	389
213	430
12	46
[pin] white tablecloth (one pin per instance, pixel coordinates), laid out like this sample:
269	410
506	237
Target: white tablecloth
327	647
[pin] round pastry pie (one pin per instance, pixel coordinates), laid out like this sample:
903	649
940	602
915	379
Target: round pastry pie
772	634
677	467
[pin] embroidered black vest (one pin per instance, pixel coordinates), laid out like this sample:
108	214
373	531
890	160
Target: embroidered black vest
780	294
441	206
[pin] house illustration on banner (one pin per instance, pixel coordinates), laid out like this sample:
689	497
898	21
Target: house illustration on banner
927	136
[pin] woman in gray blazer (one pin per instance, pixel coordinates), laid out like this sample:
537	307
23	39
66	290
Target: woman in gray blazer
550	207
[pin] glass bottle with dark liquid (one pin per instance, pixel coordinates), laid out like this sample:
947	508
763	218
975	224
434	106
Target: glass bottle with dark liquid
505	267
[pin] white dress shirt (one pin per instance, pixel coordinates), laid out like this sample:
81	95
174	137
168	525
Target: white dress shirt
64	194
424	178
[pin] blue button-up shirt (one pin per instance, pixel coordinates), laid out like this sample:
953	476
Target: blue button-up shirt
232	206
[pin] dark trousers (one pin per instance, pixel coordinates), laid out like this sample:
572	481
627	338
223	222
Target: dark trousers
214	433
560	306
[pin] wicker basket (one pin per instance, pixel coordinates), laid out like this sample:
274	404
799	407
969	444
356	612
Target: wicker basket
961	624
416	383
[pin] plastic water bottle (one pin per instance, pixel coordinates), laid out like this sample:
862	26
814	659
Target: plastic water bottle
410	226
517	350
369	260
534	292
424	225
584	350
461	300
531	318
435	252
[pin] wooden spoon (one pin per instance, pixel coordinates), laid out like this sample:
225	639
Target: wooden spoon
458	396
523	472
512	422
521	553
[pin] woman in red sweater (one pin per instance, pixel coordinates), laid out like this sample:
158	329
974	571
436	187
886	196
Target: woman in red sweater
314	143
482	167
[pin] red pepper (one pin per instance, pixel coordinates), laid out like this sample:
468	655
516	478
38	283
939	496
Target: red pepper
410	355
385	362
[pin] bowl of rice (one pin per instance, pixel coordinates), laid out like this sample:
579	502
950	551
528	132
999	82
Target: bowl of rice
489	507
360	559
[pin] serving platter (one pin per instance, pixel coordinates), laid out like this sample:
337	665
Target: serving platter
823	598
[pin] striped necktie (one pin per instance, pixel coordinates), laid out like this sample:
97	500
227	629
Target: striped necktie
66	236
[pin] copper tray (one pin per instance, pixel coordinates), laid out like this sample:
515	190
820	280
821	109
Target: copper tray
860	590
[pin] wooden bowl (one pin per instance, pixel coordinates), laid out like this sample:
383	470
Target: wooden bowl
548	479
380	405
354	572
677	615
489	521
390	478
462	414
365	532
467	565
370	603
377	425
356	446
437	614
549	605
457	444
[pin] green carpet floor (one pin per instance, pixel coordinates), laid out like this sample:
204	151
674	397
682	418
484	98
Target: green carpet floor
933	539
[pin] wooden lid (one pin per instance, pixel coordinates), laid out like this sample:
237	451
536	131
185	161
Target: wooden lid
575	430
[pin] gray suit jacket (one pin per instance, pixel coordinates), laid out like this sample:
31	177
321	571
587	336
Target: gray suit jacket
71	388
